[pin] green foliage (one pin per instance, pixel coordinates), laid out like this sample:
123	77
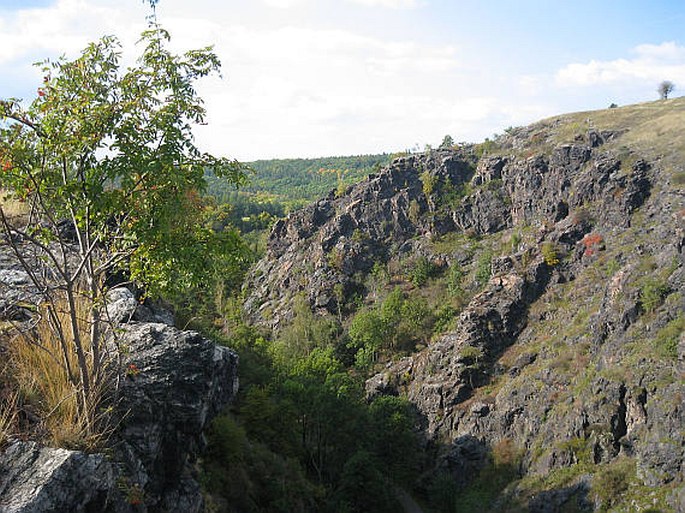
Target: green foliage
549	253
414	212
471	353
367	333
666	340
397	324
422	269
391	308
392	422
455	277
652	293
612	482
305	333
429	181
416	323
444	318
515	241
110	151
451	195
303	438
293	183
246	212
447	142
484	267
487	147
101	147
250	476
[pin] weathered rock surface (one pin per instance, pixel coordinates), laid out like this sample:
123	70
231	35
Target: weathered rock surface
36	479
172	383
327	243
176	382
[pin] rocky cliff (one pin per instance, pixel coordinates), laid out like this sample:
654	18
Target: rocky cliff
567	360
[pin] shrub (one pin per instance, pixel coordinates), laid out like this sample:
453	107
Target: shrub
484	267
515	241
454	278
471	353
612	482
414	212
665	88
444	317
549	254
429	182
592	242
666	340
652	293
422	270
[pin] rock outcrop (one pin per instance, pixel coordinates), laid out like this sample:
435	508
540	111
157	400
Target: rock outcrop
571	354
36	479
172	383
318	250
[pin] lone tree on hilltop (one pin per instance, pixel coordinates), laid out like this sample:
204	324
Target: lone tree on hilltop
665	88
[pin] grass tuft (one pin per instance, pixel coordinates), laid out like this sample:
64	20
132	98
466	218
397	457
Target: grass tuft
44	387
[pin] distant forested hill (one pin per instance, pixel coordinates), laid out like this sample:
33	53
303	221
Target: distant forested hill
295	182
279	186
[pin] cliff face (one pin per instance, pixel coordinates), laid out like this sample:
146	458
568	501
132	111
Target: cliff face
320	249
572	354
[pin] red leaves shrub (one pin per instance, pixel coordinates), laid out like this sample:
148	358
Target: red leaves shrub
592	242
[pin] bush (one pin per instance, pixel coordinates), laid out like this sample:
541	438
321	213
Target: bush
422	270
666	340
612	482
429	182
484	268
454	278
652	294
549	254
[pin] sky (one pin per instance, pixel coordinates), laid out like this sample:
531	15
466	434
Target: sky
310	78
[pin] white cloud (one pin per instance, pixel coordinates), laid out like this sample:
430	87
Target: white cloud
319	88
285	4
651	63
390	4
288	90
63	28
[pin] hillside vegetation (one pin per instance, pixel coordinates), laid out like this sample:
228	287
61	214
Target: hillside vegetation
521	301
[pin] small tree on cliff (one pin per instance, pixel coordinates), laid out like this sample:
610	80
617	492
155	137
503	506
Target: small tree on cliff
447	142
107	155
665	88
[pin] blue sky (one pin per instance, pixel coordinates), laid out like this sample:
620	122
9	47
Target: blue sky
333	77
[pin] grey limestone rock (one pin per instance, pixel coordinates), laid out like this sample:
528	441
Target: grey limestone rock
173	383
36	479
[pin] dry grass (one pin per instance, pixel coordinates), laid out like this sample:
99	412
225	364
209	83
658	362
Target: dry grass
16	211
653	129
8	418
39	372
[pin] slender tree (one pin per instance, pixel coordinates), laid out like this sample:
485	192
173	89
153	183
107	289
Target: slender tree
105	160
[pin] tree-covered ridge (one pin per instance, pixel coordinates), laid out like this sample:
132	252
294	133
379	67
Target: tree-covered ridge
296	182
